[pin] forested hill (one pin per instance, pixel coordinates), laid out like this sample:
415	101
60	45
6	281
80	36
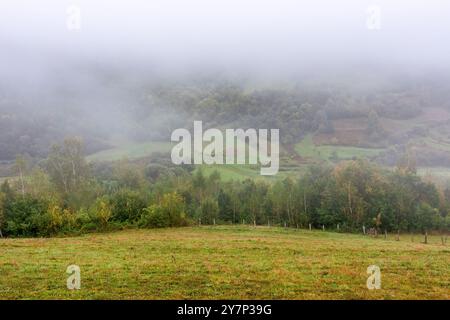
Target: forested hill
387	117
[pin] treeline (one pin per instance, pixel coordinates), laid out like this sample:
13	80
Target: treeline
66	195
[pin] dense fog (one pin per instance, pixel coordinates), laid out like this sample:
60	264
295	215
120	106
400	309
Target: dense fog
110	70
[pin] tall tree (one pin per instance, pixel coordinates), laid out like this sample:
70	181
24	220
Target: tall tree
2	212
20	167
67	166
374	128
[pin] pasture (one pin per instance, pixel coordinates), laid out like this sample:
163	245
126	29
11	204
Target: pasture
224	262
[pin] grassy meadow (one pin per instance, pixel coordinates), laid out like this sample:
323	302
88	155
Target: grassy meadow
307	149
130	151
229	262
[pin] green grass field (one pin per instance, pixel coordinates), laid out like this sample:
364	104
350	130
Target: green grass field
224	262
307	149
130	151
242	172
231	172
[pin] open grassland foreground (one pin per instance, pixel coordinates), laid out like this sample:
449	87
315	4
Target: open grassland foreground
221	262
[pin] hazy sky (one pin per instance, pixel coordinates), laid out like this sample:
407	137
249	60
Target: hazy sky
258	33
96	75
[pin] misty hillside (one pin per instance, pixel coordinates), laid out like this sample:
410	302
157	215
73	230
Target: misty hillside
336	88
111	109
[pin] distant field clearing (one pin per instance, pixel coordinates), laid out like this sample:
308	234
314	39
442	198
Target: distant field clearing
307	149
130	151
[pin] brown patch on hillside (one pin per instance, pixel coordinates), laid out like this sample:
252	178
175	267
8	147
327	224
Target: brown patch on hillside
352	131
347	132
429	117
435	114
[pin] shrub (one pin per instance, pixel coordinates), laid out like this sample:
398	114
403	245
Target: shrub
85	221
127	206
169	212
101	213
49	222
209	210
24	216
2	212
155	217
55	220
